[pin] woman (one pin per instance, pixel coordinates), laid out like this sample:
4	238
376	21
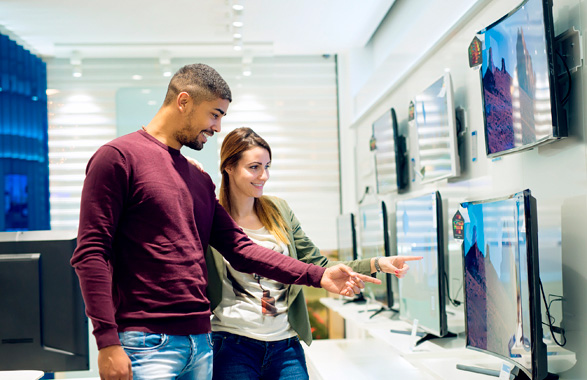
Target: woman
256	321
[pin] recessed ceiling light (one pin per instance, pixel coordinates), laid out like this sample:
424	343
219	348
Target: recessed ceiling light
137	77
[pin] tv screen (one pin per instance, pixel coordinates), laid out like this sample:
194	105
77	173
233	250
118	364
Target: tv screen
390	154
375	242
346	237
521	107
501	273
43	325
434	116
420	233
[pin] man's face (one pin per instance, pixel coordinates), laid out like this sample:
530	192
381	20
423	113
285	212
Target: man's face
201	121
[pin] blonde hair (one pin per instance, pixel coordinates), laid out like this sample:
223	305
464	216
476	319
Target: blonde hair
233	146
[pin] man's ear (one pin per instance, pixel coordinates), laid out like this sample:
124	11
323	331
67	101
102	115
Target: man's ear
182	100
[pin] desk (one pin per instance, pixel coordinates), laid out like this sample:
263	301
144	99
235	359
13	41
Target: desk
375	352
21	375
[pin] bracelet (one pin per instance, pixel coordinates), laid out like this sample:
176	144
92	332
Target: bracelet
377	267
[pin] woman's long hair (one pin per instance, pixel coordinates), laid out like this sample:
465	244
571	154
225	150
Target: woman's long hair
233	146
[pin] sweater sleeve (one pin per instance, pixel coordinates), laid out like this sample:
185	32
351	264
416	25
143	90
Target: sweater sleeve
305	248
102	197
245	256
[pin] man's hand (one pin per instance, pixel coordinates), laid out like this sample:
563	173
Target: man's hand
340	279
397	264
114	364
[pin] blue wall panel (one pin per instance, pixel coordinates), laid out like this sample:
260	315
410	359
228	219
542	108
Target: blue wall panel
24	149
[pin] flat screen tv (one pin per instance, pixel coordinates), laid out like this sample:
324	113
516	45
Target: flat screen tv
501	273
434	116
374	241
422	293
391	165
43	325
521	107
346	237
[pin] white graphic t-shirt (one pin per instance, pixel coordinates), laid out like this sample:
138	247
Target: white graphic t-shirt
254	306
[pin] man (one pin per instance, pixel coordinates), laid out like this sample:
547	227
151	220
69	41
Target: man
147	216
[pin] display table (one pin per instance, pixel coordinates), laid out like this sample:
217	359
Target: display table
375	352
21	375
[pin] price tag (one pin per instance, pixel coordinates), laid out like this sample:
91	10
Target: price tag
506	371
414	336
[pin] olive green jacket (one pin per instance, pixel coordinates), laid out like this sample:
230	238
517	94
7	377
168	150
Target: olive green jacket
302	249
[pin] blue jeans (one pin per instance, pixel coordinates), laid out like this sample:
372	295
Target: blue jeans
238	357
166	357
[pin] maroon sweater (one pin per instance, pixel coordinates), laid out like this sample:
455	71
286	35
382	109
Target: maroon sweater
147	217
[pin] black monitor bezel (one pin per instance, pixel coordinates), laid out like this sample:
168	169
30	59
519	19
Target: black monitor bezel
559	127
386	249
63	345
538	347
442	329
353	232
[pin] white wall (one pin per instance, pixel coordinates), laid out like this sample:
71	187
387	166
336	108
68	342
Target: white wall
409	53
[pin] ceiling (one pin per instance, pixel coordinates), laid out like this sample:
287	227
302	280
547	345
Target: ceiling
184	28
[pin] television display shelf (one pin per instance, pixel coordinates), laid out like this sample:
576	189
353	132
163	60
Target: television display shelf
377	343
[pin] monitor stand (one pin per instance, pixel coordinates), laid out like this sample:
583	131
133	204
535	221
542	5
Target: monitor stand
359	299
383	308
518	375
432	336
424	336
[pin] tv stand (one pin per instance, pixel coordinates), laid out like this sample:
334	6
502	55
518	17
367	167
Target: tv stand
359	299
424	336
432	336
521	375
383	308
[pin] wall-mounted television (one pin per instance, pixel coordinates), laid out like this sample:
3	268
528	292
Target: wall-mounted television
374	241
346	237
521	106
391	164
437	156
420	232
43	325
502	284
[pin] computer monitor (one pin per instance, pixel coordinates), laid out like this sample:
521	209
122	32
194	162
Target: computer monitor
502	284
521	106
422	293
346	237
391	164
374	242
435	119
43	325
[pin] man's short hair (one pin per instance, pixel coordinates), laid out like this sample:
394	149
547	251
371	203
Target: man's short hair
200	81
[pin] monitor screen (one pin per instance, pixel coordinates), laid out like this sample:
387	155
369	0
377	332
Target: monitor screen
390	154
375	242
519	90
434	116
502	281
420	233
43	325
346	237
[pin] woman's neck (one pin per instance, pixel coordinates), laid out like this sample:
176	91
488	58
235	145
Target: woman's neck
242	210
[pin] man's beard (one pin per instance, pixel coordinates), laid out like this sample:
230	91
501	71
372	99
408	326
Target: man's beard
182	137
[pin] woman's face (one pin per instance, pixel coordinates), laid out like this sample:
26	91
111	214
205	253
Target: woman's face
250	173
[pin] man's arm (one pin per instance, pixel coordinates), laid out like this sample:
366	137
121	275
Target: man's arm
245	256
101	203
